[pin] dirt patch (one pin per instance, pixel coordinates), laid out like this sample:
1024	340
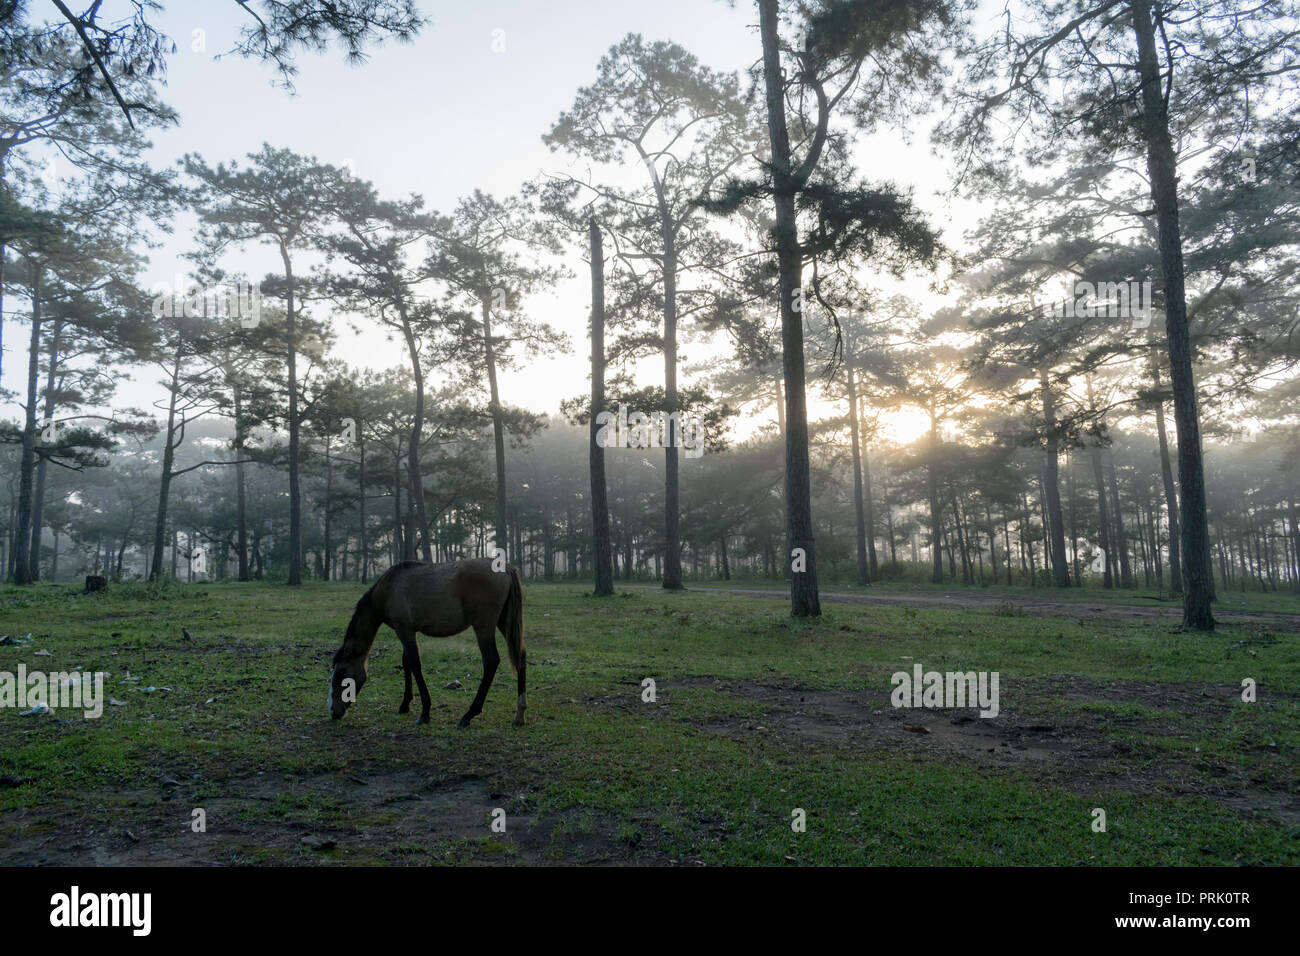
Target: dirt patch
1071	752
400	816
1268	804
795	716
1185	696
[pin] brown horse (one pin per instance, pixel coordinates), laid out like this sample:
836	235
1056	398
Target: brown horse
438	600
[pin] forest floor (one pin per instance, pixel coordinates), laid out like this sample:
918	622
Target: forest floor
1277	610
756	716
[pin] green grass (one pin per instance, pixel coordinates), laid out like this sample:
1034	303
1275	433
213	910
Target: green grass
1230	599
756	715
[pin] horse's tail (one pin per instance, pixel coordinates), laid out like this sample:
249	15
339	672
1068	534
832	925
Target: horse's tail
511	620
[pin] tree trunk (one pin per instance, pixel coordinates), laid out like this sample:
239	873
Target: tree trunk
398	549
410	532
241	489
1120	539
165	483
27	470
416	495
548	548
668	226
327	560
873	564
1072	488
519	540
1153	534
859	505
889	520
993	543
42	465
1142	547
295	490
1295	543
672	486
571	559
932	492
1103	516
966	576
498	421
1052	486
363	559
596	454
1198	574
804	598
1025	528
1171	495
1006	544
121	551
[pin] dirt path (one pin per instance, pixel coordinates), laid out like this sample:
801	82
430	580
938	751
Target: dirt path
1270	620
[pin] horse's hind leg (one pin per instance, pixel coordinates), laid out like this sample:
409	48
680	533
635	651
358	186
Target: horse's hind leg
487	647
521	702
411	664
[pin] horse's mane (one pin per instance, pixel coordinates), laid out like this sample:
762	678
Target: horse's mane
353	636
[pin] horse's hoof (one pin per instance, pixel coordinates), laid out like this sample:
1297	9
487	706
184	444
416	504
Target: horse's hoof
404	709
464	723
519	721
424	718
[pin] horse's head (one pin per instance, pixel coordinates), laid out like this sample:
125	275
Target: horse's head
350	672
346	681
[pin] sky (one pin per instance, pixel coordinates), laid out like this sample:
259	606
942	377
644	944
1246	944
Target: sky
463	106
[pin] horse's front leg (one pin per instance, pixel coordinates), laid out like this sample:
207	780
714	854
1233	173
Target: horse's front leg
406	698
487	647
411	662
